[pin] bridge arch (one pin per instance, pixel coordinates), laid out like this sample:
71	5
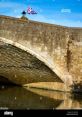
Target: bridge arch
66	79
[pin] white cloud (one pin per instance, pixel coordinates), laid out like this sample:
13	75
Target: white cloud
13	8
11	5
18	16
69	23
65	10
41	18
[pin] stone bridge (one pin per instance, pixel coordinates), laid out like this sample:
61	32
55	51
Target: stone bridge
33	51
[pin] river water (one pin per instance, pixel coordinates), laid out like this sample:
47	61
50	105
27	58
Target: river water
14	97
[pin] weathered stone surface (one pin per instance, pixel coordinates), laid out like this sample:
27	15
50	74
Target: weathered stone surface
22	68
58	47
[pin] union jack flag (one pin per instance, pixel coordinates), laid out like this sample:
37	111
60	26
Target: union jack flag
30	11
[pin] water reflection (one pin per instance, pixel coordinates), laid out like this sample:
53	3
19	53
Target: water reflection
31	98
21	98
69	101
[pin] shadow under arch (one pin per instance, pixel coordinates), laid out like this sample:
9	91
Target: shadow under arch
5	81
18	45
18	68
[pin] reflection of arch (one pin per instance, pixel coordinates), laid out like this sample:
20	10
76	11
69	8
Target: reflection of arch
46	62
66	101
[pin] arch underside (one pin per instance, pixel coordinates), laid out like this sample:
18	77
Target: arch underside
23	67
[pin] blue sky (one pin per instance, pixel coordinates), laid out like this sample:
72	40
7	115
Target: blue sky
61	12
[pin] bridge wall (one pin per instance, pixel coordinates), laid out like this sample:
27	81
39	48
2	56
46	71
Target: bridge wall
54	45
22	68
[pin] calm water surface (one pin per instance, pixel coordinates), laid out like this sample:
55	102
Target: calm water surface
31	98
